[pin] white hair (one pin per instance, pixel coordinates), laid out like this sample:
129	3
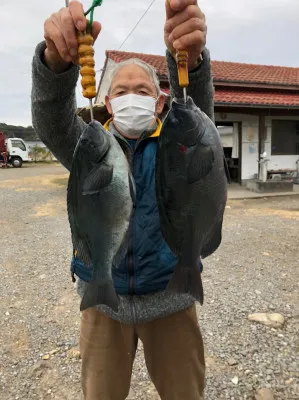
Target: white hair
146	67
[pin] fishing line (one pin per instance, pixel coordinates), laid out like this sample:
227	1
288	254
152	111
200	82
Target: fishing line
138	22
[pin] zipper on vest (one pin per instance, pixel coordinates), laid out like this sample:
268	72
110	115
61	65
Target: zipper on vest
130	254
130	250
131	269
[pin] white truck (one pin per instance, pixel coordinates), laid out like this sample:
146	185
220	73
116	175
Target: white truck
18	152
13	151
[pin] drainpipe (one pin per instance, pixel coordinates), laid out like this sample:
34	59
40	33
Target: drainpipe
262	136
263	170
297	175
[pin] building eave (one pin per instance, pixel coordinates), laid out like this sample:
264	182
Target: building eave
255	85
251	105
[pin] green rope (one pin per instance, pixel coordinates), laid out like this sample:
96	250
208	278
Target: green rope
95	3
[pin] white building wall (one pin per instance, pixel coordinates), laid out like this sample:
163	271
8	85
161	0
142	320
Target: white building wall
249	141
226	135
250	131
250	126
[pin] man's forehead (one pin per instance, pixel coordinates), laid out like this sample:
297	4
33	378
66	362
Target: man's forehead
132	72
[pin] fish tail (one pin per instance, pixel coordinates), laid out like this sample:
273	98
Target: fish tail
187	280
100	294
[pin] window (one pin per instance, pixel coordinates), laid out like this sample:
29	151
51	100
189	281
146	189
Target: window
285	137
19	144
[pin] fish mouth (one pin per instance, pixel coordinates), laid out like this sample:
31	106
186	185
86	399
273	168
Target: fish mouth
181	102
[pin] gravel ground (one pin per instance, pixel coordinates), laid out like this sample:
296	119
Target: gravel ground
255	270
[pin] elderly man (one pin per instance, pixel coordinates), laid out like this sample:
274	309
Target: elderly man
165	323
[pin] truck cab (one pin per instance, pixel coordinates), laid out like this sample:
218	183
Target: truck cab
17	152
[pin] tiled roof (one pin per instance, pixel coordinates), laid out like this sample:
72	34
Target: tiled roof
257	98
224	71
158	62
252	73
260	97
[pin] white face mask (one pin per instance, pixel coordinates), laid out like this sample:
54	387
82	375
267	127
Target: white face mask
133	114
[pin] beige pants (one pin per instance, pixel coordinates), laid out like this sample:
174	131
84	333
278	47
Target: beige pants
173	351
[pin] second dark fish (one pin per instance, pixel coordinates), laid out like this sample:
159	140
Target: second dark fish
191	188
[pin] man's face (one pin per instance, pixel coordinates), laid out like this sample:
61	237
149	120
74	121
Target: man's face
133	79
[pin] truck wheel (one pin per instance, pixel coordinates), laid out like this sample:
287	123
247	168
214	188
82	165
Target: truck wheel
17	162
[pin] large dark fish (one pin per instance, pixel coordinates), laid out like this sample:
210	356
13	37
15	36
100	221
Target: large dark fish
100	199
191	188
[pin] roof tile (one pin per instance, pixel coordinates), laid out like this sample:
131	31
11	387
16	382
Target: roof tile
223	70
246	96
261	97
252	73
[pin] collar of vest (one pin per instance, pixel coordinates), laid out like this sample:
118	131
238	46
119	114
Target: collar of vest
154	134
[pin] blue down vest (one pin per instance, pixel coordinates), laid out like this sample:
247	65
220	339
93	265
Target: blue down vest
149	262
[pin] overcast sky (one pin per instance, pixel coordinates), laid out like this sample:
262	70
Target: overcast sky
251	31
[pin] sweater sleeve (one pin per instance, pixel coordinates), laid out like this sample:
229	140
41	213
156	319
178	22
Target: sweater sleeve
53	108
200	87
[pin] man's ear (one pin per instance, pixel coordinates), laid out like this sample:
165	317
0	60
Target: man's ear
160	104
108	105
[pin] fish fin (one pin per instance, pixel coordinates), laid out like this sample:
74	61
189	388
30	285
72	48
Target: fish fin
200	164
79	245
99	177
214	242
97	294
226	169
187	280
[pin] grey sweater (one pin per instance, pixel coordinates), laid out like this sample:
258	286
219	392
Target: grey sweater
55	120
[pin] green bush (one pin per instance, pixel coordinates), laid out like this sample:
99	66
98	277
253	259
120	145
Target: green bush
38	152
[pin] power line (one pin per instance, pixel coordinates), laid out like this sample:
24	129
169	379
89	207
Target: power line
143	15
